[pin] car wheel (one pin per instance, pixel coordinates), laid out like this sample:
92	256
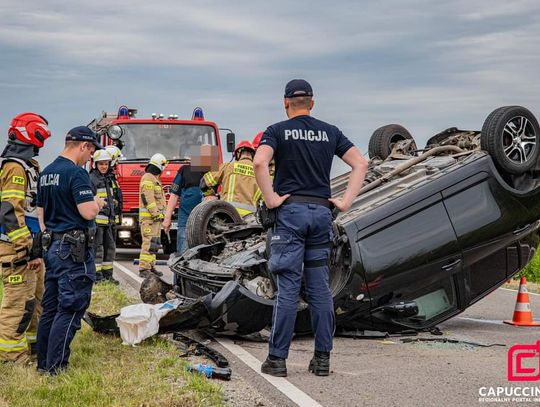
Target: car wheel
209	219
384	138
511	136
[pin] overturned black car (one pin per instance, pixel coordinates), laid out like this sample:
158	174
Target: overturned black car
433	231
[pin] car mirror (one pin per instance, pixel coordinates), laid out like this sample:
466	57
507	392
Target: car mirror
230	142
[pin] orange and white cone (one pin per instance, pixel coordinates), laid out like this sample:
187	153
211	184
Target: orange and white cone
522	313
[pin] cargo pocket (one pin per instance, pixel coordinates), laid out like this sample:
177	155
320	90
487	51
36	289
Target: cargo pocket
281	253
75	291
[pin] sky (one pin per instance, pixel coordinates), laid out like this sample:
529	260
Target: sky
425	64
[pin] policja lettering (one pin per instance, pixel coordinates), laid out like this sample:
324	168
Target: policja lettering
309	135
50	180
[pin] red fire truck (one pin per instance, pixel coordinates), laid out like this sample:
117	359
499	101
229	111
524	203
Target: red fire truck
139	139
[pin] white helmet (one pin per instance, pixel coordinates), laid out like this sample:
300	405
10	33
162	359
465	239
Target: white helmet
159	161
102	155
115	153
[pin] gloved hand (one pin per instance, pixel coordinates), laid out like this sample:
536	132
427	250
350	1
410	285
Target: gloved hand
159	217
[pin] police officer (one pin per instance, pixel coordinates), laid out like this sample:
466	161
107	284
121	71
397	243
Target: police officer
151	214
20	255
105	245
67	207
237	180
303	148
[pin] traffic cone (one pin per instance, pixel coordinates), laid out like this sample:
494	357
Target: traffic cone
522	313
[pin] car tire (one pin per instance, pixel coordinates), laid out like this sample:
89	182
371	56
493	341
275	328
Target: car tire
383	139
199	225
511	136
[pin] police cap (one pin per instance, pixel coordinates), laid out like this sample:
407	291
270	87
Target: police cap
83	133
298	88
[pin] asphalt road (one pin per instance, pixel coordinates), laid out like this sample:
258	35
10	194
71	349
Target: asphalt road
389	372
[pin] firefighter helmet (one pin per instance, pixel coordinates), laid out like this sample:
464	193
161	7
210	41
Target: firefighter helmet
115	153
257	140
29	128
159	161
243	145
102	155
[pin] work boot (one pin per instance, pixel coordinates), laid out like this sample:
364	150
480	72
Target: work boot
112	280
274	366
144	273
157	273
320	364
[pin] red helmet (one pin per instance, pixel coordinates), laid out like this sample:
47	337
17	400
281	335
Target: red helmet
257	140
29	128
243	145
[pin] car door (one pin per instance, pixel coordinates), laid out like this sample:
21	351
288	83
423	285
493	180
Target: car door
409	256
489	221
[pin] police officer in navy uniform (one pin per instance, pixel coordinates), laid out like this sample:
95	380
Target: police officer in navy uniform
67	209
303	148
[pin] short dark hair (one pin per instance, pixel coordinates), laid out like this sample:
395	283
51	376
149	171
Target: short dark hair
73	143
300	102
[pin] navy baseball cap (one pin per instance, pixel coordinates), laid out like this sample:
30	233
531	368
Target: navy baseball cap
298	88
83	133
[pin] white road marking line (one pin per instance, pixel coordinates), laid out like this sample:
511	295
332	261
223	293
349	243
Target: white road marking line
128	272
510	289
283	385
485	321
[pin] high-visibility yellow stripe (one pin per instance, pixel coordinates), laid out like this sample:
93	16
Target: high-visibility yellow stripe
243	212
210	180
102	194
149	258
18	233
13	346
99	267
102	221
147	185
151	205
257	197
13	193
230	191
31	337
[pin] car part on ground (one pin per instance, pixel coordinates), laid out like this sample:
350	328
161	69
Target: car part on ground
430	234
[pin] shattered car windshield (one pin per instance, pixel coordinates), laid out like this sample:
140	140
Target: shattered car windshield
175	141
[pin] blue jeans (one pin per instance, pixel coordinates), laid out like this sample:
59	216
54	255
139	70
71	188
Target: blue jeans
68	288
301	246
181	243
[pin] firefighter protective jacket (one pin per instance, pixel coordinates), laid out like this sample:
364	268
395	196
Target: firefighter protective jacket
151	198
238	184
18	186
102	187
117	195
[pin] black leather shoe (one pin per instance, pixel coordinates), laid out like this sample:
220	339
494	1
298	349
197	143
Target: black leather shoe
274	367
320	364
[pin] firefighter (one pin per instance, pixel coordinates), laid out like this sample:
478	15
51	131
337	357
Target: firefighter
104	244
116	155
151	213
237	180
22	271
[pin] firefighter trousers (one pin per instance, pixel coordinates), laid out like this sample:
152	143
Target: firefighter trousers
105	245
300	245
150	232
68	288
31	333
17	309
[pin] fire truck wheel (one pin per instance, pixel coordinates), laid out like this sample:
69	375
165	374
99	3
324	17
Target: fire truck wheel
208	221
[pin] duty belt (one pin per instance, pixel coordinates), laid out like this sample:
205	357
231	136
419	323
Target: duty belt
310	200
60	235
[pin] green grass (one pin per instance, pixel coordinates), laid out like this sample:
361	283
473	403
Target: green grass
532	270
103	372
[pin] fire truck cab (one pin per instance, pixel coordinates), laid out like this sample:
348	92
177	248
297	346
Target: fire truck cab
139	139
